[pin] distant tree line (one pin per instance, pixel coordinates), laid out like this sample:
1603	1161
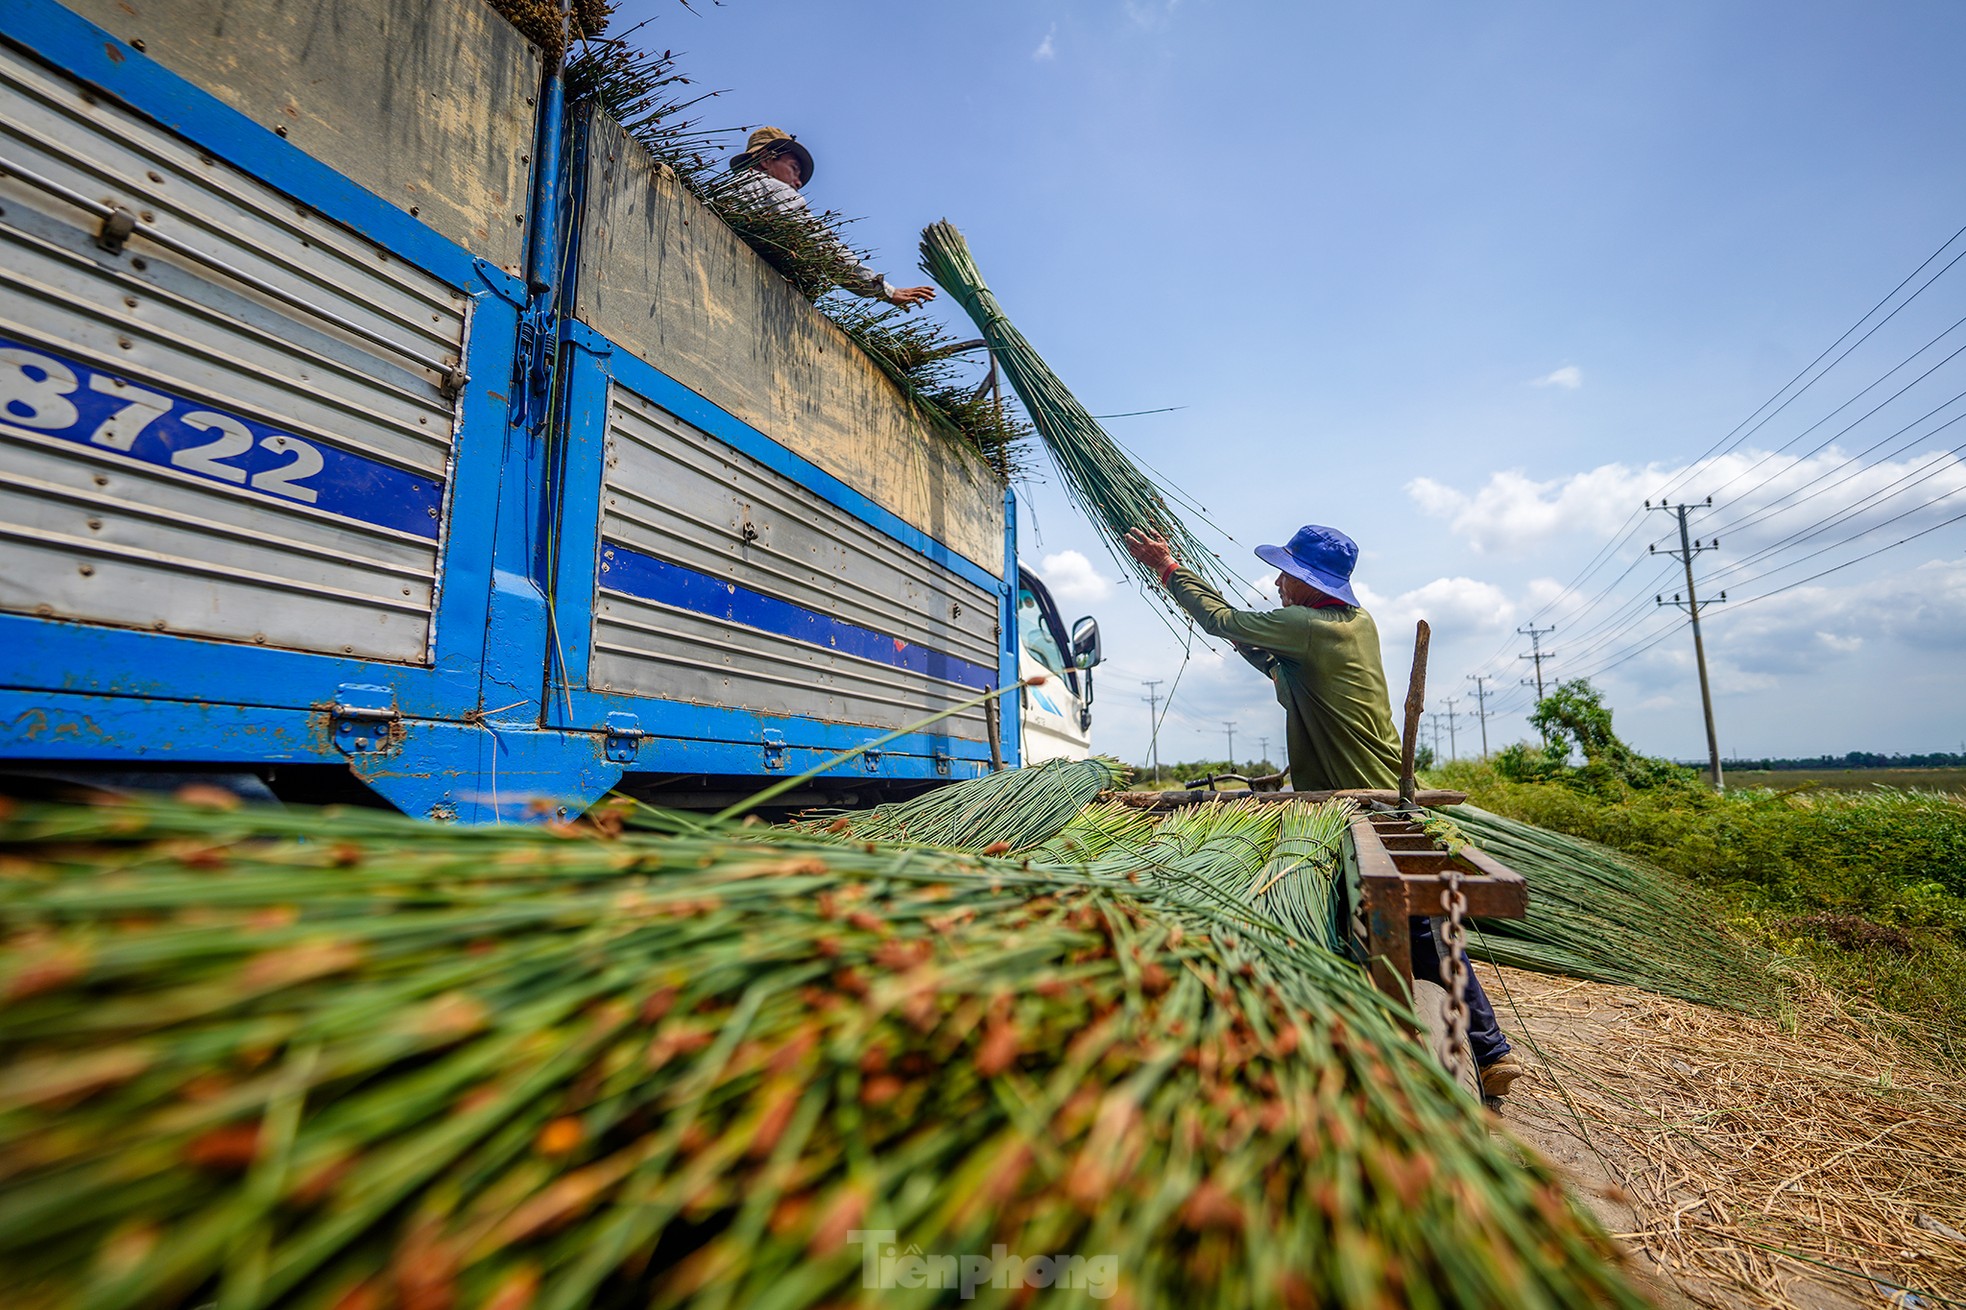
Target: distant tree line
1853	760
1169	773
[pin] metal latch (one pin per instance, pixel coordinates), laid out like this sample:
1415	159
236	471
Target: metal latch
774	748
363	717
116	228
872	759
941	762
624	736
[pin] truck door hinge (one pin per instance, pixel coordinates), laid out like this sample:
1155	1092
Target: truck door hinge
872	759
774	749
624	736
364	718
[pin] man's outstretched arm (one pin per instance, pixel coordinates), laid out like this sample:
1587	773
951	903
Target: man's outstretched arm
1264	630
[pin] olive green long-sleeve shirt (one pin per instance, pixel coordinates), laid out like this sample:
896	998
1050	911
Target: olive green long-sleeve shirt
1329	679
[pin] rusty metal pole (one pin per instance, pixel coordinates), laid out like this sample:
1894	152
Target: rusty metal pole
1416	701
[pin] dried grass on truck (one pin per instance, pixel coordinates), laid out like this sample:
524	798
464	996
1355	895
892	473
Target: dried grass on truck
542	23
643	92
260	1057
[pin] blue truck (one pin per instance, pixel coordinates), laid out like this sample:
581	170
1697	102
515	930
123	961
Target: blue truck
373	425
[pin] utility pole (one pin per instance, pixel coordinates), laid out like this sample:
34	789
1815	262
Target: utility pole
1232	744
1692	605
1433	724
1481	699
1453	749
1264	744
1536	635
1153	710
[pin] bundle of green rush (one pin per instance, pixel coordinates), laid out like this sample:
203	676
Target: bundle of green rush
321	1059
1596	914
1010	810
1107	486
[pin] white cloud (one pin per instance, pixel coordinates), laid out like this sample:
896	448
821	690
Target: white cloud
1760	497
1813	626
1151	13
1072	577
1046	50
1457	604
1809	632
1569	377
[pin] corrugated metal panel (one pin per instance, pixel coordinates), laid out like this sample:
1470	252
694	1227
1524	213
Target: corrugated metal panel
723	582
428	105
236	427
661	277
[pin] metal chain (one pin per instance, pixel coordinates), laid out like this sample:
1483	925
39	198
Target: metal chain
1454	902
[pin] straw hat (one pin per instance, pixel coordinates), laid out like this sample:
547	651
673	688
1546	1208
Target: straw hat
771	141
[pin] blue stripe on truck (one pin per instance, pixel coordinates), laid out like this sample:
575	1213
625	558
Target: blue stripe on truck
53	395
647	578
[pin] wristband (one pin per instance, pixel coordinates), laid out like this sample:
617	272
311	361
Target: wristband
1168	572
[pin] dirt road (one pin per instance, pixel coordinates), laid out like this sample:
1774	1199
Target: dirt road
1803	1161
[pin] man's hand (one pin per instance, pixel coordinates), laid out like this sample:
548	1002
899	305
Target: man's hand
1146	546
909	297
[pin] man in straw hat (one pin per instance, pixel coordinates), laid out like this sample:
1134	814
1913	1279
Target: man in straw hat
1322	652
771	169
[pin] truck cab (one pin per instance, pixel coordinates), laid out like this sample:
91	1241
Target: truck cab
1057	713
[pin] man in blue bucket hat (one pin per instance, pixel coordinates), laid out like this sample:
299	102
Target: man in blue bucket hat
1320	649
1322	652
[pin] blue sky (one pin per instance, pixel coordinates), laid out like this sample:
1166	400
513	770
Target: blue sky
1468	282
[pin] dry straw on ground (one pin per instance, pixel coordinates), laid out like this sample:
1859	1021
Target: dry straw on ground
1802	1161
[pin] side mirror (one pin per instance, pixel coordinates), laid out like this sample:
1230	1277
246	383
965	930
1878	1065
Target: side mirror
1085	643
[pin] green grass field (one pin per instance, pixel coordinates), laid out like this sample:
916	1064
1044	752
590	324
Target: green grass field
1952	781
1865	884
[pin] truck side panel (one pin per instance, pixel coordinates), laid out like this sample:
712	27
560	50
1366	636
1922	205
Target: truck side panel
724	582
254	454
295	467
663	278
251	439
781	543
428	105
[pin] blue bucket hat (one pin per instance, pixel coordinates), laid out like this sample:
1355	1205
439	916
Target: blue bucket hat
1323	557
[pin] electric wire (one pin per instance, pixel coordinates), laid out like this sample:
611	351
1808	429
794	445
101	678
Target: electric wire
1822	482
1944	462
1730	440
1830	440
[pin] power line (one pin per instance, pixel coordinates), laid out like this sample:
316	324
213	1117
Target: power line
1716	448
1756	419
1943	462
1622	619
1859	535
1136	413
1826	442
1847	563
1822	481
1738	603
